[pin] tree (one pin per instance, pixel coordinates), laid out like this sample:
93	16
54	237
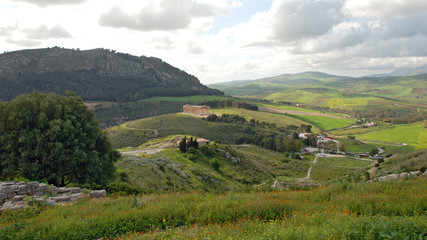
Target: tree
374	151
183	145
48	137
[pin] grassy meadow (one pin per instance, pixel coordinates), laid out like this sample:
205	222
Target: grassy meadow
394	210
325	123
412	134
276	118
332	168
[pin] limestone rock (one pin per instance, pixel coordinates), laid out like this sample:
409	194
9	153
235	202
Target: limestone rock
98	194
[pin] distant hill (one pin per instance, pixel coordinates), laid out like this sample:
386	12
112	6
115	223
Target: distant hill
403	72
285	79
397	95
96	75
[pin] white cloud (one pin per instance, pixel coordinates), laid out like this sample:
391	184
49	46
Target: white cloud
164	15
383	8
31	37
46	3
299	19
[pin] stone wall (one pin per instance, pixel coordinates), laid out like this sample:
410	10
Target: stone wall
18	195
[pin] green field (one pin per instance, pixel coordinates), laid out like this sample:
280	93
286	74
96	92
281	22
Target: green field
331	168
355	146
287	107
276	118
348	162
411	134
379	210
325	123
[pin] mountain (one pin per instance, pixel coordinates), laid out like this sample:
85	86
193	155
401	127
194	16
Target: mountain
402	72
284	79
96	75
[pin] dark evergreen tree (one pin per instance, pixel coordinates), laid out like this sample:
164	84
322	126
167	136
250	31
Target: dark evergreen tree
55	139
183	144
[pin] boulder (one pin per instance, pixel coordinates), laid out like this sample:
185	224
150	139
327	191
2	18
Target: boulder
3	196
6	189
18	198
98	194
41	187
62	199
13	205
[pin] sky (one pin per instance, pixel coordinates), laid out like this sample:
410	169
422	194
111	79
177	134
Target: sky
224	40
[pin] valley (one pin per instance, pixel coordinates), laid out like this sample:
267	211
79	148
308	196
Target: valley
297	156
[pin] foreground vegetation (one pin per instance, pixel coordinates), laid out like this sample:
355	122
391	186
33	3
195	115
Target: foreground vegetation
345	210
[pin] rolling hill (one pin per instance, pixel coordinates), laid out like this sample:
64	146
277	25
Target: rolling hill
95	75
405	95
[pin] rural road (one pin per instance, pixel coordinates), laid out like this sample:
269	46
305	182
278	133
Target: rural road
275	110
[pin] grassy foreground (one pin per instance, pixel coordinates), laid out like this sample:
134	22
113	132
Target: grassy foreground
379	210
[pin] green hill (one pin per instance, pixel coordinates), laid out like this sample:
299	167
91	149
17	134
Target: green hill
96	75
403	95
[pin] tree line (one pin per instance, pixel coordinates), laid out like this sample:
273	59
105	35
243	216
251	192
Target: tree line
230	103
268	135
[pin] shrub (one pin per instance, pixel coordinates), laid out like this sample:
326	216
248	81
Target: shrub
215	164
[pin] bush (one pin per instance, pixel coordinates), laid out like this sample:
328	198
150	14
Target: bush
215	164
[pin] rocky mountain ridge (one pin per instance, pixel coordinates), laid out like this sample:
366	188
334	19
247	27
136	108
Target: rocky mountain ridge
97	74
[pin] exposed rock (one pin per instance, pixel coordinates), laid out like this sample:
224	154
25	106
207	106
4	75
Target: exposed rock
282	185
18	198
3	196
98	194
61	199
229	156
18	195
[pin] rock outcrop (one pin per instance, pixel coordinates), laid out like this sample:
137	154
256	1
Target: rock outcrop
19	195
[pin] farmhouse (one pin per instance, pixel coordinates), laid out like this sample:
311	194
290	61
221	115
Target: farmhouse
197	110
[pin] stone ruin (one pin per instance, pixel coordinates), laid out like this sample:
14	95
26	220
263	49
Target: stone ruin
196	110
19	195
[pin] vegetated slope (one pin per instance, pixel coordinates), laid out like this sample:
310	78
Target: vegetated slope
97	74
404	94
379	210
413	134
401	163
209	168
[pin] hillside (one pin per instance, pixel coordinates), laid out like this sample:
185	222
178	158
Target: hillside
96	75
400	95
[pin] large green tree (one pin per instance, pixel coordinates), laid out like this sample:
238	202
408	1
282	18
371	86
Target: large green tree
53	138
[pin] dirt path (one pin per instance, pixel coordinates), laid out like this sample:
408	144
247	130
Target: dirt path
275	110
309	170
307	178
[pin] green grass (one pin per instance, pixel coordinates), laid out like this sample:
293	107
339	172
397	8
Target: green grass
122	136
331	168
348	162
355	146
172	170
411	134
400	163
326	123
287	107
346	210
276	118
